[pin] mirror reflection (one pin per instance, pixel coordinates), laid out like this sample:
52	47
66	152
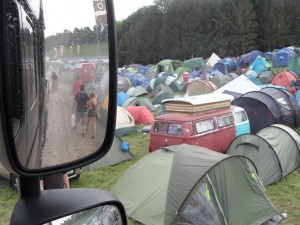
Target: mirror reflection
104	215
60	109
77	80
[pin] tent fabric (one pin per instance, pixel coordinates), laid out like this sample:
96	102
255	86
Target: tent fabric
123	84
283	57
161	87
291	131
262	110
121	98
266	77
248	58
140	114
220	80
114	156
284	103
284	78
194	62
295	105
138	91
225	66
124	122
241	84
182	184
168	65
139	101
285	147
262	155
259	65
294	65
200	87
160	96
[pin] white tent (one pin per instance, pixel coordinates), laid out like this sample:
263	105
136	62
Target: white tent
241	84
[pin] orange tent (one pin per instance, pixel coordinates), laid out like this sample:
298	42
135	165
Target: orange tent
140	114
284	78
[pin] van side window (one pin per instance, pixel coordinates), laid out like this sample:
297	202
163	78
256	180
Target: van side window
205	125
224	121
168	128
240	116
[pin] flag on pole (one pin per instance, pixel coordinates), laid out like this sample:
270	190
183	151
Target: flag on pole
100	11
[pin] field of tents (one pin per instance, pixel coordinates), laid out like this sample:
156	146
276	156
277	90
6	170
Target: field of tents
185	183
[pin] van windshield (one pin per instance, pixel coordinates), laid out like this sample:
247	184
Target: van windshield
168	128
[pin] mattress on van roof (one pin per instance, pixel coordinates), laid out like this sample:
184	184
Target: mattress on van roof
199	103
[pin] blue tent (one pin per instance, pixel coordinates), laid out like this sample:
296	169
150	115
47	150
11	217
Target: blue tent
226	65
254	79
283	57
259	65
246	59
122	97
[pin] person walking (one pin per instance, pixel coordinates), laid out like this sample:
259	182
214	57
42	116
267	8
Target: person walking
80	108
76	86
92	114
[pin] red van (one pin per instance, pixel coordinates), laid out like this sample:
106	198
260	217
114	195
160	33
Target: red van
85	71
213	130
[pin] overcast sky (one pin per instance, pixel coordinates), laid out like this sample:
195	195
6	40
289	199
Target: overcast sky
65	14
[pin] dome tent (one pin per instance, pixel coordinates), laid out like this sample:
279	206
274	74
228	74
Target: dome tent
191	183
273	159
262	110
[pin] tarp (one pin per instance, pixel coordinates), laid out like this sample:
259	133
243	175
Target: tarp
121	98
213	59
187	184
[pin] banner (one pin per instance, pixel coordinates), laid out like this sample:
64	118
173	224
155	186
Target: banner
100	12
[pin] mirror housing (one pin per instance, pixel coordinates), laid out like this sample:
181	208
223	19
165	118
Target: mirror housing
8	152
53	204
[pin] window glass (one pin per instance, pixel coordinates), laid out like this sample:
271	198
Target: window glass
205	125
225	120
168	128
241	116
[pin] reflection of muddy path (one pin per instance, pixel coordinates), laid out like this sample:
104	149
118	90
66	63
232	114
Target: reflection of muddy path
63	144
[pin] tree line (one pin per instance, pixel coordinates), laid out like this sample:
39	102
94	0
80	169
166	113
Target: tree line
176	29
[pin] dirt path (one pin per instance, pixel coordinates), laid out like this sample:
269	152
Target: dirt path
63	143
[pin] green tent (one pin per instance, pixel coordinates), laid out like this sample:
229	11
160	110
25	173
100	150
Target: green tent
168	65
273	150
187	184
194	62
182	70
294	65
114	156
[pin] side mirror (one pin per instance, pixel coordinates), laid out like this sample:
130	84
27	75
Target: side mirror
58	76
74	204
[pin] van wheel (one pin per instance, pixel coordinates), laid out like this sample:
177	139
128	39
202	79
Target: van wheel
14	182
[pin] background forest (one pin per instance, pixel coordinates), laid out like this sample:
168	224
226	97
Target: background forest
197	28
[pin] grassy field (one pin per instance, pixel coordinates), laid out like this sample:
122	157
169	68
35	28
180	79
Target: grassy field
284	194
